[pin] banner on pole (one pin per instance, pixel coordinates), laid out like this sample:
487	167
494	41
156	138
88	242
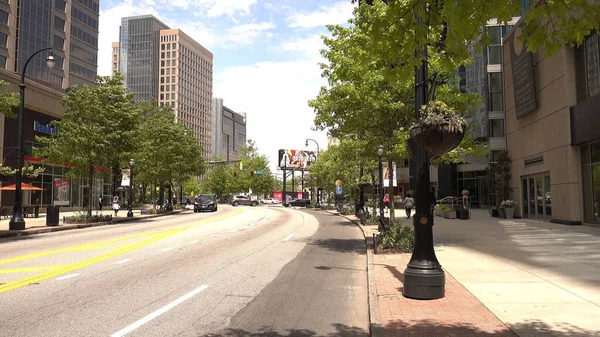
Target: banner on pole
126	177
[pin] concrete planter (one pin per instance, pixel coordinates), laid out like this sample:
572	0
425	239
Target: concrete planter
449	214
502	213
509	212
438	212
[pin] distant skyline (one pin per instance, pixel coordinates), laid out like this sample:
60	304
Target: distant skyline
266	56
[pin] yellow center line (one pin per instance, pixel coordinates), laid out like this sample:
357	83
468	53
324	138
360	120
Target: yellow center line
28	269
60	270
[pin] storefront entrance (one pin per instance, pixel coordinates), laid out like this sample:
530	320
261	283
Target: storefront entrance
537	197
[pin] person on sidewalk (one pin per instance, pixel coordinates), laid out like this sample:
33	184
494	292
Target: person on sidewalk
115	206
100	204
409	204
386	201
465	197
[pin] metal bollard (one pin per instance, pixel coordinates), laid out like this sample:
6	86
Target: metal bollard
374	243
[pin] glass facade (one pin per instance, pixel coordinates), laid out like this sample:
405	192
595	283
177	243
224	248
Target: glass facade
479	187
590	165
140	48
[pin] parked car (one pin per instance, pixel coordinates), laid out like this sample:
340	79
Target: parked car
270	201
298	203
205	202
243	200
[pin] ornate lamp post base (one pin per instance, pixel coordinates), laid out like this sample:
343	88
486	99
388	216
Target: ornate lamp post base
16	224
424	284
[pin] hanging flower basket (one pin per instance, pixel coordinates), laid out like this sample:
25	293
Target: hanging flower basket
439	130
5	178
413	148
27	179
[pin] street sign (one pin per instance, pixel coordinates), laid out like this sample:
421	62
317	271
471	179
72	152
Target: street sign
338	190
259	172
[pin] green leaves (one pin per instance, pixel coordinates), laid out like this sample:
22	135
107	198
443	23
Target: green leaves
8	100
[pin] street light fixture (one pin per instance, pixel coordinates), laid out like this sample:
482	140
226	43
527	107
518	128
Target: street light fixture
381	213
129	207
17	222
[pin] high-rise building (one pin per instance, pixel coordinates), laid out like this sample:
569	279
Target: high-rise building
139	47
70	28
116	55
229	131
168	66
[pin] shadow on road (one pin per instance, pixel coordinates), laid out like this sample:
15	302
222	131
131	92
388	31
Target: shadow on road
341	245
420	328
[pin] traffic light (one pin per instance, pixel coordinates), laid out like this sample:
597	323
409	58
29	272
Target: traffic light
235	173
251	172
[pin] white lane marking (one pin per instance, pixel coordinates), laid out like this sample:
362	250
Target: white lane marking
66	277
269	216
288	237
195	241
166	249
217	235
123	261
234	230
159	312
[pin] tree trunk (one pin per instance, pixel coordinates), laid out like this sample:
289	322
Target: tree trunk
90	190
391	191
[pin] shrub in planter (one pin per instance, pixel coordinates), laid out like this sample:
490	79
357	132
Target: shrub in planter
448	212
84	218
440	128
509	208
398	238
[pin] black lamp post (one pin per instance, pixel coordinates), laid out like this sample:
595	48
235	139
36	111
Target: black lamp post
380	154
129	207
424	277
17	222
306	144
185	132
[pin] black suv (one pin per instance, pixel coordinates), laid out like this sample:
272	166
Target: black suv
205	202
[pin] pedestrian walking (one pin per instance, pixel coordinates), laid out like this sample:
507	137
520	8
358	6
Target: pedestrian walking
465	197
115	206
100	204
409	204
386	201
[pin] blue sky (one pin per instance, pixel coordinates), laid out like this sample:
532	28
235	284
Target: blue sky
266	55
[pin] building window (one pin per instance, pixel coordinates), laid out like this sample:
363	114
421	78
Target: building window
162	55
162	71
114	57
495	47
59	42
496	98
168	54
590	164
60	5
2	62
59	23
114	65
494	155
3	39
497	128
3	17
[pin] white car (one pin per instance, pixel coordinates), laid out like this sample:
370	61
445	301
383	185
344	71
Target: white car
270	201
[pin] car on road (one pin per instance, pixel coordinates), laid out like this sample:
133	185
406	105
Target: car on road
298	203
205	202
243	200
270	201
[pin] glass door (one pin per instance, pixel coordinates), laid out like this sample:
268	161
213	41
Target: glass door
537	198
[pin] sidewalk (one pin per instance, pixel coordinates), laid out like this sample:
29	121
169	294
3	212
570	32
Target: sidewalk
38	225
493	285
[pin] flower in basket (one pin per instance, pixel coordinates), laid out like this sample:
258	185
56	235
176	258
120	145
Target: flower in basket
30	172
438	115
508	204
7	170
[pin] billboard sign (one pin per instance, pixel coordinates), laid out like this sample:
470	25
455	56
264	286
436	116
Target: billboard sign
296	159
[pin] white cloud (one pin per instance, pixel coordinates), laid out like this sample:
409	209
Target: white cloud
247	33
275	97
310	46
215	8
337	13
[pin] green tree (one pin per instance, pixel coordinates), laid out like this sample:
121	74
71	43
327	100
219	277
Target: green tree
165	152
253	161
219	180
97	130
8	100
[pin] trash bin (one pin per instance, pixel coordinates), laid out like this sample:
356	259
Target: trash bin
52	216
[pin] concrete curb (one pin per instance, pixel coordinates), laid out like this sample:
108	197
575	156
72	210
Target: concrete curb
49	229
375	326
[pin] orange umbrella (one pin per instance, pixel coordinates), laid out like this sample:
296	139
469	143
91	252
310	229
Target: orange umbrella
24	187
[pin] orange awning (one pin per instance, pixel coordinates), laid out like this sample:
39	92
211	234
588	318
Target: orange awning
24	187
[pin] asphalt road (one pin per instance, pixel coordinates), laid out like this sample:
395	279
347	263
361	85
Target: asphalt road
244	271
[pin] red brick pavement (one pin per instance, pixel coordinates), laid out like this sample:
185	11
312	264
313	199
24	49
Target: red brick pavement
457	314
